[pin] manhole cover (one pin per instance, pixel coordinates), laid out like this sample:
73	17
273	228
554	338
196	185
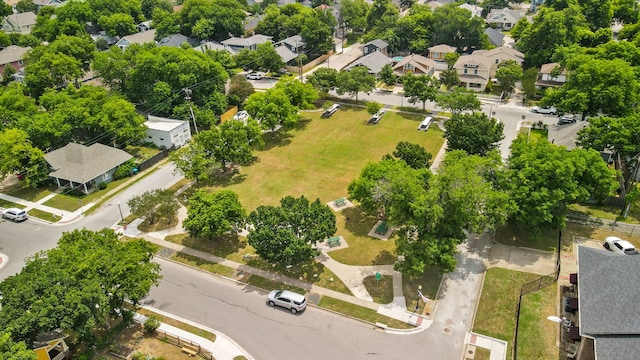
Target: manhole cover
447	330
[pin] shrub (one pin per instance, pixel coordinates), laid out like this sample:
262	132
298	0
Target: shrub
102	185
124	170
151	324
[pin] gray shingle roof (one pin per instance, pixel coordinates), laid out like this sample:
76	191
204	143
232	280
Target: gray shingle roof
286	54
609	309
176	40
80	164
12	53
495	36
374	62
293	41
379	43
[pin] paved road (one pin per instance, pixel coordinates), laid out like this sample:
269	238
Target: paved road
266	333
19	241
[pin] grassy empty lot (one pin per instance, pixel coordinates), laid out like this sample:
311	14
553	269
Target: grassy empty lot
496	313
318	159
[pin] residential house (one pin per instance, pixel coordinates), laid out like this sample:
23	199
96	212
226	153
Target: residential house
504	18
434	4
475	9
417	64
138	38
77	165
144	26
12	56
42	3
50	346
20	23
167	133
374	46
438	52
250	43
176	40
551	75
374	62
215	46
289	48
496	38
102	35
499	55
474	71
607	306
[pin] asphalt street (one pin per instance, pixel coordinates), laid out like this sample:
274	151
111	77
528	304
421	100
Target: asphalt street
241	312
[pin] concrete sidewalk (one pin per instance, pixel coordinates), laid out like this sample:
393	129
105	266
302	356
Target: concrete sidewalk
222	348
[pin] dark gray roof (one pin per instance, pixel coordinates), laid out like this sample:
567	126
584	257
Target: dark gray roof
379	43
618	347
81	164
608	302
176	40
293	41
495	36
374	62
286	54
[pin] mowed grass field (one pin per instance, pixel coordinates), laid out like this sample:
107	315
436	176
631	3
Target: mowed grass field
318	159
321	156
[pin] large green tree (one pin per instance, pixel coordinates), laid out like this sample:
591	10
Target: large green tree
475	133
272	109
354	13
211	215
544	179
597	86
301	95
286	234
508	74
231	142
212	19
324	79
154	205
355	81
454	26
193	161
420	88
414	155
11	350
19	155
78	287
458	100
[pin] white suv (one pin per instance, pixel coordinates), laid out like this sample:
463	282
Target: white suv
287	299
618	245
15	214
544	110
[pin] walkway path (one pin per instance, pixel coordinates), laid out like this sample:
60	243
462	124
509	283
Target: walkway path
67	216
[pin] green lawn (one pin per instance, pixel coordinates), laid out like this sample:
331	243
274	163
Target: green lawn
8	204
496	312
319	159
30	194
360	312
380	290
607	212
44	215
69	202
537	134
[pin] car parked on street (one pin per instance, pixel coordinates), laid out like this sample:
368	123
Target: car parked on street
255	76
618	245
566	119
288	300
544	110
15	214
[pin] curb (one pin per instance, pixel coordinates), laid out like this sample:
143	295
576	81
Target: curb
416	329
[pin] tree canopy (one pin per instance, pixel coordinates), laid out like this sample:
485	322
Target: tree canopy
211	215
77	286
458	100
475	133
420	88
286	234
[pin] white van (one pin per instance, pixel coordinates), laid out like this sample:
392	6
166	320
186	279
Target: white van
424	125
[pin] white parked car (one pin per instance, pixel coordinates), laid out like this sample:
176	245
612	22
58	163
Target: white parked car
255	76
544	110
241	116
15	214
618	245
288	300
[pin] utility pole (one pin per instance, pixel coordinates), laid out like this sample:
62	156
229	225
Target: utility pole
187	96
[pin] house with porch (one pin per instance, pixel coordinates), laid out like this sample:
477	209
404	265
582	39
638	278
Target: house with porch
374	62
474	71
551	75
76	165
416	64
51	346
12	56
375	45
504	18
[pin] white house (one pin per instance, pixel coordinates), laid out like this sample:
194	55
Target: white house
166	133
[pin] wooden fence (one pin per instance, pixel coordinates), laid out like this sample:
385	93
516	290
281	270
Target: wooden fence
181	342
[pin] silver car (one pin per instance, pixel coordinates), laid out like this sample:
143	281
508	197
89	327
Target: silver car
15	214
288	300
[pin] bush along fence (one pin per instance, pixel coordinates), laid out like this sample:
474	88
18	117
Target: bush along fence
154	159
